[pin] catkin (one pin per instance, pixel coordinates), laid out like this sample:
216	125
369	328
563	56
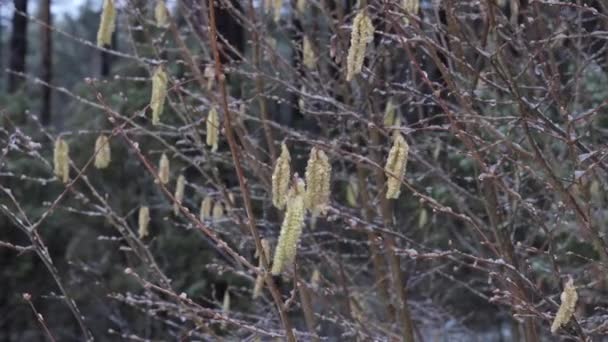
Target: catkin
163	169
106	24
276	6
361	35
159	93
395	166
291	229
226	302
218	210
308	54
180	186
102	152
301	6
318	178
213	129
352	191
389	113
315	279
206	205
259	281
143	222
161	14
61	160
280	178
566	309
259	284
410	7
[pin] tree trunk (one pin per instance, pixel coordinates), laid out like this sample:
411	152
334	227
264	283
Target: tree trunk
46	47
106	59
18	45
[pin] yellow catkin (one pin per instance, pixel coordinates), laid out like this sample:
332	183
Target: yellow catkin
395	166
226	301
352	192
567	307
390	113
308	54
259	281
218	210
209	74
163	169
361	35
206	205
318	178
259	285
143	222
180	186
423	218
301	6
315	279
276	6
102	149
159	94
281	177
213	129
161	14
61	160
410	7
291	229
107	23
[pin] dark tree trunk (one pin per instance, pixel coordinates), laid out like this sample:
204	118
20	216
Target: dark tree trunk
106	59
46	48
230	31
18	45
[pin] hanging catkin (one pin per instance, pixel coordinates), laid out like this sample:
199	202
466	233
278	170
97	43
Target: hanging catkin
226	301
410	7
566	309
362	34
315	279
280	178
61	160
159	93
259	285
390	113
161	14
163	169
102	150
276	6
318	178
106	24
206	205
143	222
301	6
308	54
395	166
218	210
259	281
213	129
352	191
291	229
180	186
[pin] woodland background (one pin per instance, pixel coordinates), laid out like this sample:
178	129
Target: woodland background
503	104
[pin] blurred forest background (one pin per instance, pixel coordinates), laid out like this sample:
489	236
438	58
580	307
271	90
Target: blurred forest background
502	102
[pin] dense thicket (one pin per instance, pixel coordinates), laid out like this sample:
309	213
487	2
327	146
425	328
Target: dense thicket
310	170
